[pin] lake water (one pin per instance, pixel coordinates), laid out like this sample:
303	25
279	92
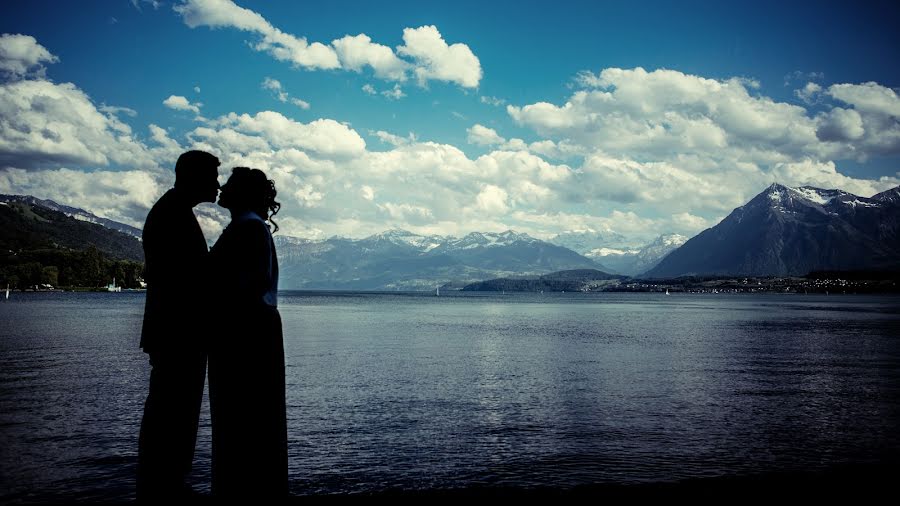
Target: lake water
412	391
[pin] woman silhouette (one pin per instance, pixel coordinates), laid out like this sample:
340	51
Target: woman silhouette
246	355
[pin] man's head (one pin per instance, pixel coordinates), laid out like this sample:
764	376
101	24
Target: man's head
197	176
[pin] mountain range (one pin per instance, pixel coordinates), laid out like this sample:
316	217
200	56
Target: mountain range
787	231
402	260
783	231
621	257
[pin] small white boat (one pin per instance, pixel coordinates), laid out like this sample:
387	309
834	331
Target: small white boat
112	287
7	291
437	291
667	291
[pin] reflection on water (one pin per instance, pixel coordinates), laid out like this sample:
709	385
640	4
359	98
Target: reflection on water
414	391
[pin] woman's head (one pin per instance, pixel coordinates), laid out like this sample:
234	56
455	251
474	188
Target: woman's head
250	190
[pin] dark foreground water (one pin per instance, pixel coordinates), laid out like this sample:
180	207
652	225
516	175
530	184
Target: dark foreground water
413	392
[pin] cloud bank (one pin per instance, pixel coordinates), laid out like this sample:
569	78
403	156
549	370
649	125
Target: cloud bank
637	152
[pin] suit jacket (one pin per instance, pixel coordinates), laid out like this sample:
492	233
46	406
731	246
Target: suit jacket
176	272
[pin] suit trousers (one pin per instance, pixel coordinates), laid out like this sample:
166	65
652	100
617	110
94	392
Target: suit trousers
169	427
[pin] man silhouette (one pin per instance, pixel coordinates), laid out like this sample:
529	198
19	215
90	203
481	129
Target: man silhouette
173	333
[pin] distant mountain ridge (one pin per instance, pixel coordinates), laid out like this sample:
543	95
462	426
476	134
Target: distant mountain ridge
31	226
402	260
74	212
635	261
585	241
793	231
782	231
616	252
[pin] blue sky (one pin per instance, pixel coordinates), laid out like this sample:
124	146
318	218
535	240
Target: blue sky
640	119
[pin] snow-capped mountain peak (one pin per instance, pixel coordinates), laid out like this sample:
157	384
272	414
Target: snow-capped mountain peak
488	239
290	240
605	252
787	197
669	240
793	231
891	196
817	195
425	244
625	260
406	238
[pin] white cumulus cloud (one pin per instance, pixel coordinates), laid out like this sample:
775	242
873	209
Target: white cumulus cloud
395	93
44	123
808	93
868	97
307	196
437	60
840	125
274	85
483	136
492	200
702	125
665	111
21	55
282	46
124	196
358	51
871	128
324	136
392	139
278	92
179	103
405	213
430	56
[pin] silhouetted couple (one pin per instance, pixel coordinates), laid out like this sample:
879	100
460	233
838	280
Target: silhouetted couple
218	304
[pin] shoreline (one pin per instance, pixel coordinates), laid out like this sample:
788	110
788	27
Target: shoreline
482	293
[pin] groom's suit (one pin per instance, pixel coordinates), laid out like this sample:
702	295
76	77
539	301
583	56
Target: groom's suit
175	325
